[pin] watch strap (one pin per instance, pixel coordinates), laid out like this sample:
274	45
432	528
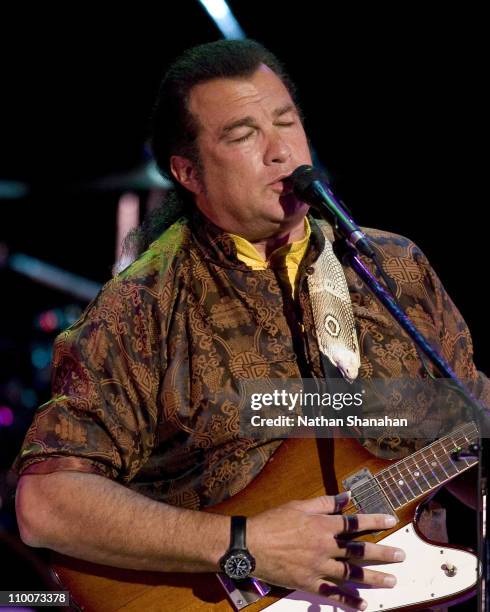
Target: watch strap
238	532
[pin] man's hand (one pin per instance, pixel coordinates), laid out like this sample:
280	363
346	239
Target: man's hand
304	545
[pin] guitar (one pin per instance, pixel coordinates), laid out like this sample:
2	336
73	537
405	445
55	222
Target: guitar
302	468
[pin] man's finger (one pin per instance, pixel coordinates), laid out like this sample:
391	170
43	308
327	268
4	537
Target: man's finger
353	523
341	501
324	504
352	549
344	571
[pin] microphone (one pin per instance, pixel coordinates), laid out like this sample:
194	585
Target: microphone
310	185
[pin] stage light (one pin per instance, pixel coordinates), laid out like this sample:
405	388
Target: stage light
6	416
52	276
28	398
220	13
41	357
49	321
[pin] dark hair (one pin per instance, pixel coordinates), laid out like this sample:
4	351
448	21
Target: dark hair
175	130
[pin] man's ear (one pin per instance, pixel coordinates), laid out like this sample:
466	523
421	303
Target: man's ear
186	172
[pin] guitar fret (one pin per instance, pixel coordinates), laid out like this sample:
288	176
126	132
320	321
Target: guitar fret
447	463
435	463
468	462
397	484
415	474
388	491
426	472
457	463
403	482
423	475
431	475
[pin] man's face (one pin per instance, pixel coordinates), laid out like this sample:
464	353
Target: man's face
250	138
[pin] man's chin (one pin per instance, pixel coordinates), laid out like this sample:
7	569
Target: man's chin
282	215
293	207
286	219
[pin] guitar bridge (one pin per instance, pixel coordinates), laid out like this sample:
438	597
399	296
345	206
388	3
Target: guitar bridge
244	592
367	495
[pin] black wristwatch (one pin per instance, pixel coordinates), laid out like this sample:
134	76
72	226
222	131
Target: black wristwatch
237	563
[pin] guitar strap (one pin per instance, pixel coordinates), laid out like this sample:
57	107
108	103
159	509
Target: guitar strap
332	312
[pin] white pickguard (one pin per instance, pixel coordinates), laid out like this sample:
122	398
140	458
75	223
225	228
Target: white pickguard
420	578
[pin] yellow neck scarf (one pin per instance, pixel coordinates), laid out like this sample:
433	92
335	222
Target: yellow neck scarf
285	260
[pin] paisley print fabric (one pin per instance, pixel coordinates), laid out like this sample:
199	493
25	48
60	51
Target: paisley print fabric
146	383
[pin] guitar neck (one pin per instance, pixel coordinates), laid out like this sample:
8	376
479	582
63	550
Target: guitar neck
428	468
417	475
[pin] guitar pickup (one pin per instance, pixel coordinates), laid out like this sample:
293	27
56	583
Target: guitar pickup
366	493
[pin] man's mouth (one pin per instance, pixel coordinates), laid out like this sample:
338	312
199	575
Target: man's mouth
282	186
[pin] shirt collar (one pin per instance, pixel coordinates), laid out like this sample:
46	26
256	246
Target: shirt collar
219	247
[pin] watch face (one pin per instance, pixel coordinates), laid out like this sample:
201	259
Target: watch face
238	565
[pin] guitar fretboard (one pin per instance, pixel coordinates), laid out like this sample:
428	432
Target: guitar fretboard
421	472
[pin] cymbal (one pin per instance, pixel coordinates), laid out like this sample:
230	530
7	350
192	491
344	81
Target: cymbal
146	176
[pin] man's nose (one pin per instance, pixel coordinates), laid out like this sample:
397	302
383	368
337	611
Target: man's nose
278	150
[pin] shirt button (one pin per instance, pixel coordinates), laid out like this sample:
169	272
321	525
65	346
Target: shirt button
310	270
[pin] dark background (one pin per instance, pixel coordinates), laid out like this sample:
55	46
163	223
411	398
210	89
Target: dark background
393	101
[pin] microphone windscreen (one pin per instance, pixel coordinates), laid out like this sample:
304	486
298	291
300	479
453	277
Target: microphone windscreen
302	178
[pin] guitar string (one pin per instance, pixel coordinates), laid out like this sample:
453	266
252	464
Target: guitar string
405	467
375	485
392	498
376	488
459	432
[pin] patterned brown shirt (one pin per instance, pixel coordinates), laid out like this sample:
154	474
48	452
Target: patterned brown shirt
146	384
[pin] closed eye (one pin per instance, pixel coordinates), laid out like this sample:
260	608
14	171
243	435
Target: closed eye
243	138
250	134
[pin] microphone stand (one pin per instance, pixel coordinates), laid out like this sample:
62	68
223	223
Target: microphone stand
347	253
